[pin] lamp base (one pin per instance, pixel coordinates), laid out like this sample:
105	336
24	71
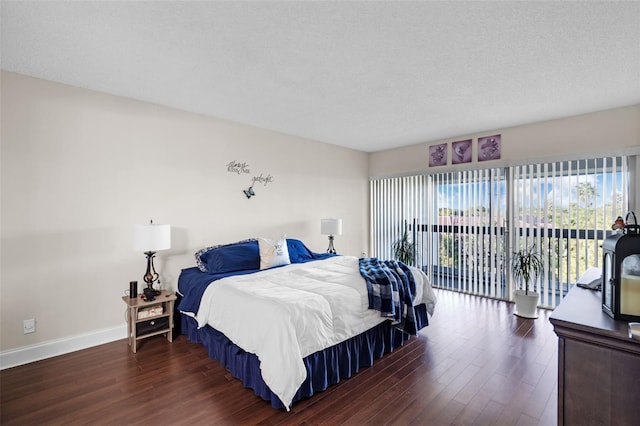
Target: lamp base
331	249
151	276
150	288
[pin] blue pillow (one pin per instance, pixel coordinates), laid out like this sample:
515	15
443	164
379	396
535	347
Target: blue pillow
298	252
240	256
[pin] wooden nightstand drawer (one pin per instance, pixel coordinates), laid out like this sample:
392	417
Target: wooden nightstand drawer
152	325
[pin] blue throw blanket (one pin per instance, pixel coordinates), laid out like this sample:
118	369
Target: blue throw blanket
392	290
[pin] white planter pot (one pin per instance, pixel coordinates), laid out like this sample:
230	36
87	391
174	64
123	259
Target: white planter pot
526	304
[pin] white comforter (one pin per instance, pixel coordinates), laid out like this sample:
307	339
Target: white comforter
284	314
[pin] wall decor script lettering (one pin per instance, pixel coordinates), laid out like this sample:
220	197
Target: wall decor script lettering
237	167
262	179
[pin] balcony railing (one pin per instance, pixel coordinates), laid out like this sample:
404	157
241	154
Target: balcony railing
472	267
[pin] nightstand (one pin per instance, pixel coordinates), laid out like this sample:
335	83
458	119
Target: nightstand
146	319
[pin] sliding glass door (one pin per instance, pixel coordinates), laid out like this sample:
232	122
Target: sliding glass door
566	210
465	223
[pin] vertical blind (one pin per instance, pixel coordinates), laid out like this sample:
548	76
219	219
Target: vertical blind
397	205
465	223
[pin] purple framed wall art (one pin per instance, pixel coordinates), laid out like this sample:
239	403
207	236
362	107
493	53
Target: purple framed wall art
438	155
489	148
461	151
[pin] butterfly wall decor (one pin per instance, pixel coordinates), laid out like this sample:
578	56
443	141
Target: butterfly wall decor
249	192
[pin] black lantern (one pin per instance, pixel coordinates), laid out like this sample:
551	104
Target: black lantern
621	273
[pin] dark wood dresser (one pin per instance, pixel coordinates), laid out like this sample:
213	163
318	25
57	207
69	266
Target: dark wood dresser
598	364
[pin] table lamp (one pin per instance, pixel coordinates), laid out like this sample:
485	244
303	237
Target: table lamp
331	227
149	239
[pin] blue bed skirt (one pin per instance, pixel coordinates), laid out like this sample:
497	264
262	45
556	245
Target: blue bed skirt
324	368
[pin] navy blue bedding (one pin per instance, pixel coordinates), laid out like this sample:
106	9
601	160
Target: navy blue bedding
192	282
324	368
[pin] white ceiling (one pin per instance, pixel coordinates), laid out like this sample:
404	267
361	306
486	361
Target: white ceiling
365	75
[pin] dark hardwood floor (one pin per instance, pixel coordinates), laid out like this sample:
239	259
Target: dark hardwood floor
476	363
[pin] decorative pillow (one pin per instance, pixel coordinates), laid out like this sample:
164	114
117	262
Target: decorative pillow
273	252
240	256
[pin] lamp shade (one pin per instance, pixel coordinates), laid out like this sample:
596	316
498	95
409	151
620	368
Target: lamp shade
151	237
331	226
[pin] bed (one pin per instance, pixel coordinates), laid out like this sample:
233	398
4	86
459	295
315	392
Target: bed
289	322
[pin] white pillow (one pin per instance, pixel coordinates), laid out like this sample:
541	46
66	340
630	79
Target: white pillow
273	252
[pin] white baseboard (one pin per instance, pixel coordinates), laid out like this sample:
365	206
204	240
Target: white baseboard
51	348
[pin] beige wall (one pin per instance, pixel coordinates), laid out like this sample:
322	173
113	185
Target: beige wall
604	132
79	168
611	132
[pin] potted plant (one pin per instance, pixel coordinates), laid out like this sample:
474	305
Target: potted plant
404	249
526	265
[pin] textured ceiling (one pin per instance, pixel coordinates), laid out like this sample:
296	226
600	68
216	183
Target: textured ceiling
365	75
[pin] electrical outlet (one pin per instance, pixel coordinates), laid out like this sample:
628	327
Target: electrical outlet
29	326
